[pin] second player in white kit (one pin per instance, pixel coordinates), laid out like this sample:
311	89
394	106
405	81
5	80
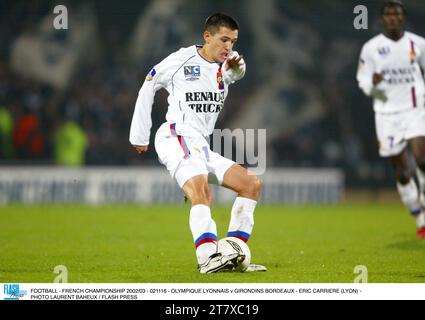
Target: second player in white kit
399	99
197	79
391	72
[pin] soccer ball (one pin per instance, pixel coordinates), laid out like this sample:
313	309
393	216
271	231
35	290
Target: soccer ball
231	245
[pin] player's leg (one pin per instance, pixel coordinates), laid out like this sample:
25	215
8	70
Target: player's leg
248	188
407	187
394	132
202	225
415	134
418	149
191	173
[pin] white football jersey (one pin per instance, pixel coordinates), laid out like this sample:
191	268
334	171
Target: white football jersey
400	62
197	89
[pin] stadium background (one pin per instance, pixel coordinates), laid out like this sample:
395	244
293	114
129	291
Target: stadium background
316	115
67	98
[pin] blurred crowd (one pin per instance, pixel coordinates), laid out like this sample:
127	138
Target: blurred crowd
40	122
302	60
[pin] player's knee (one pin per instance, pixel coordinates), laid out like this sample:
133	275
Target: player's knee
202	195
258	185
419	153
403	176
254	187
208	195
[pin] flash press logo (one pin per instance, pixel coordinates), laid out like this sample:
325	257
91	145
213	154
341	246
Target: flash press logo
13	292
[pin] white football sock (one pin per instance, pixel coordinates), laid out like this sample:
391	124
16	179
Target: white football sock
421	178
409	194
420	220
204	231
242	218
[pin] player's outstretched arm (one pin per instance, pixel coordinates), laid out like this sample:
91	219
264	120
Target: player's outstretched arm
141	123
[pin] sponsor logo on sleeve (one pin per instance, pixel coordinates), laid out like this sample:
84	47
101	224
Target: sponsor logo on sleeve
150	75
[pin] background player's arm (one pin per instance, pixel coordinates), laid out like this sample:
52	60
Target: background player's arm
377	78
368	77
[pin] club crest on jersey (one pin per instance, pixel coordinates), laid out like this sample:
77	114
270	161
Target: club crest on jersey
412	52
150	75
192	73
220	79
384	51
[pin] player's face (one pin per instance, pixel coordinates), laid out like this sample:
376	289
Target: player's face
393	19
221	43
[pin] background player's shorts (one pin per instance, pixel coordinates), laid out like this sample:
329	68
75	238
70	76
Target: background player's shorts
188	156
394	130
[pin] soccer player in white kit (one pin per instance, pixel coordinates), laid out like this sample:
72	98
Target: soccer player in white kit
391	72
197	79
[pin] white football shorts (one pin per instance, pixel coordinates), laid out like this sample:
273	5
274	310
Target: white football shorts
188	156
394	130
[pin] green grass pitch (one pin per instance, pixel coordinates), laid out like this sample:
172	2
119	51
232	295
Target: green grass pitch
114	244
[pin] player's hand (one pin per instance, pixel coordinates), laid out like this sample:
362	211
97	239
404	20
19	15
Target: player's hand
377	78
379	94
233	62
141	149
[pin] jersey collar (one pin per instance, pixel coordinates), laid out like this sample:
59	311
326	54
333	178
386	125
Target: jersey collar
197	52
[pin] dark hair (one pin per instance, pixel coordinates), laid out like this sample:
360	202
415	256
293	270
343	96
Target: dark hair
393	3
217	20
